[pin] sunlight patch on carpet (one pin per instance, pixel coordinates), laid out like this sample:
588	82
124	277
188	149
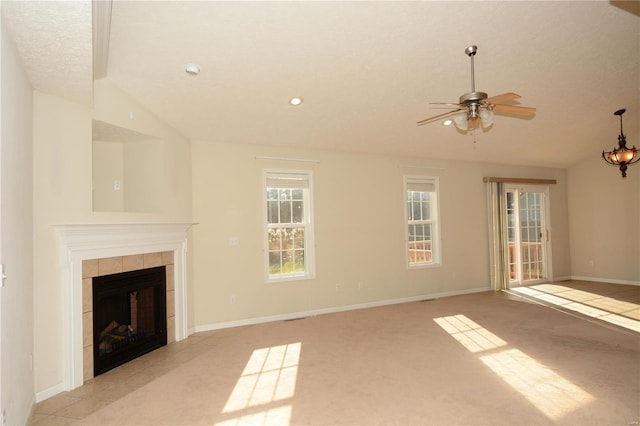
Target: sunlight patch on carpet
270	375
592	305
549	392
469	334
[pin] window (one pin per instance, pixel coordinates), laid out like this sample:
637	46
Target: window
423	244
289	231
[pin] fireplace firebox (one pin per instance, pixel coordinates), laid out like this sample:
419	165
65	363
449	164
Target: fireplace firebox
129	316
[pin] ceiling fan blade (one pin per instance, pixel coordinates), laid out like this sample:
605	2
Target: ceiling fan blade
439	116
505	97
513	109
440	105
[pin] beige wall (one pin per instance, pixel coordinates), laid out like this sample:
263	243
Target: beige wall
16	236
359	229
604	213
62	195
108	166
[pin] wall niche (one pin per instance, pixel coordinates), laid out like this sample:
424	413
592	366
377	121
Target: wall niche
126	169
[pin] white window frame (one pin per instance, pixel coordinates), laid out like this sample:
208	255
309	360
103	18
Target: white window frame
436	245
309	245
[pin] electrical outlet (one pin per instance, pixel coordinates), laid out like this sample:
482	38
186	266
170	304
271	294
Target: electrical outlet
338	287
232	299
233	241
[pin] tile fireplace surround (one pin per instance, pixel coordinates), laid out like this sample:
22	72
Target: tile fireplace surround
115	248
113	265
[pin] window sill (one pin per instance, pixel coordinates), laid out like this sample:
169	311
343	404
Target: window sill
289	278
424	266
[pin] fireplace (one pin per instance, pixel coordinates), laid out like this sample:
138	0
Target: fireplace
90	250
108	271
129	316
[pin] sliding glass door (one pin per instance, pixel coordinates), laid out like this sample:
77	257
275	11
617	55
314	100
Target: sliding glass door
527	234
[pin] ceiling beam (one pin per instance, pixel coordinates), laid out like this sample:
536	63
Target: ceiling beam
101	11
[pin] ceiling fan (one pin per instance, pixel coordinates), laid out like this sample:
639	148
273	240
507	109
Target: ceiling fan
476	108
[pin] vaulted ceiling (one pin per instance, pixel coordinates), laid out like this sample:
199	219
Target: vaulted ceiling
367	71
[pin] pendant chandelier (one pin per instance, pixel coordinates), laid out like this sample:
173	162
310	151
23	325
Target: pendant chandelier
621	156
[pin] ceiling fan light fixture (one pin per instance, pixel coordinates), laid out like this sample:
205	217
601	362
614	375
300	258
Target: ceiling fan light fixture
465	122
474	123
461	121
447	122
621	156
486	117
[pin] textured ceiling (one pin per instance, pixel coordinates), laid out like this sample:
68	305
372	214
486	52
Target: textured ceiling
54	41
366	71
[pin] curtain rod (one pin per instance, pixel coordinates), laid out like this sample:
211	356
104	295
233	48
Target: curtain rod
519	180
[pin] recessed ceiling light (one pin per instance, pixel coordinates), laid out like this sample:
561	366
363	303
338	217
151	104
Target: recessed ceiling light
192	69
447	122
295	101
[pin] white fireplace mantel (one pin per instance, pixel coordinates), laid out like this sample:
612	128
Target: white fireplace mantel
81	242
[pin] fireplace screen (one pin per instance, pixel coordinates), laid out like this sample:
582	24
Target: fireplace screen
129	316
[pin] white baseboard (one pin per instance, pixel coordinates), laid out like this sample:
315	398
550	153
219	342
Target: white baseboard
48	393
605	280
335	309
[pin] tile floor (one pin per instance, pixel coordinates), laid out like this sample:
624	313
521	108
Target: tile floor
71	407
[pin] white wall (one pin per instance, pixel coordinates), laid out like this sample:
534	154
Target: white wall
604	215
16	214
63	195
359	231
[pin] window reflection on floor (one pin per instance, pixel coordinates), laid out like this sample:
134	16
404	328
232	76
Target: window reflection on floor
549	392
269	376
545	389
618	312
469	334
